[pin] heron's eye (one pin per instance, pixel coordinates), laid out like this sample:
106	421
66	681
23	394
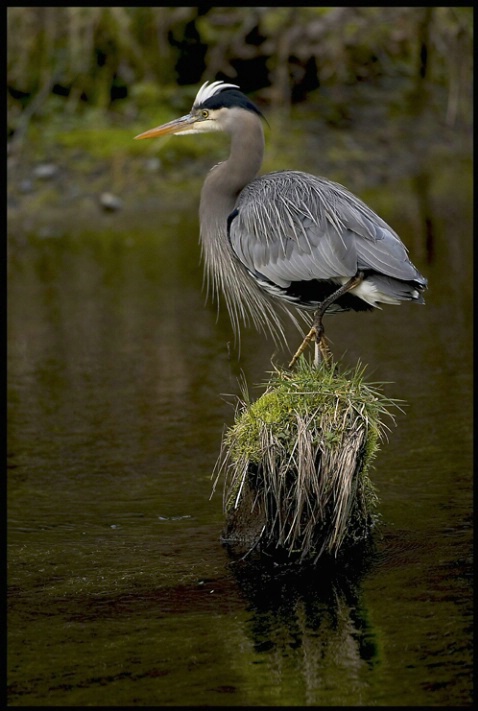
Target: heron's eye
205	113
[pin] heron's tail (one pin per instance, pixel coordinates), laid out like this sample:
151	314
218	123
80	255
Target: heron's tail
380	289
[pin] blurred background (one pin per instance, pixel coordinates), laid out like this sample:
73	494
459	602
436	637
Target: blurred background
81	82
63	60
121	375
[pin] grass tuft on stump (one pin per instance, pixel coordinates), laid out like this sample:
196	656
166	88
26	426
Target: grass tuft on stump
296	463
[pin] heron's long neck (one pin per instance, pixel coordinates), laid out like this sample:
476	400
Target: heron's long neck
226	180
223	271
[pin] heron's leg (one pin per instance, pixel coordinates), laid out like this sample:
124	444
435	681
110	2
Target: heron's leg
322	351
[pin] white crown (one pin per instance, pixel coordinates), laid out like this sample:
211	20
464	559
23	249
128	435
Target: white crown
208	90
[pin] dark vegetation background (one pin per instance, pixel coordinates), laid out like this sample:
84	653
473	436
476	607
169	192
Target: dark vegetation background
65	60
82	81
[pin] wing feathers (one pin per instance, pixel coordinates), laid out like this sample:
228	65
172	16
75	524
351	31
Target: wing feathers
292	226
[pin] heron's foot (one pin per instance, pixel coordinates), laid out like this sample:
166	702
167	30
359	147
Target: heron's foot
322	351
323	354
308	339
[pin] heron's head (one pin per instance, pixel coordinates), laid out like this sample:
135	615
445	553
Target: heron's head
215	108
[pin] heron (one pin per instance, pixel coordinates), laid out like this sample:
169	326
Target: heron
287	241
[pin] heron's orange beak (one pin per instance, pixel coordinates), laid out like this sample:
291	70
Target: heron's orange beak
179	125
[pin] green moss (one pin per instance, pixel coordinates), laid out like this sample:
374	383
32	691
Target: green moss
319	394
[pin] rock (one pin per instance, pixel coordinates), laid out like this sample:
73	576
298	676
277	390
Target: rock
26	186
110	202
152	165
45	171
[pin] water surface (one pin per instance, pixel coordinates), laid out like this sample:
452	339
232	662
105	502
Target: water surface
119	590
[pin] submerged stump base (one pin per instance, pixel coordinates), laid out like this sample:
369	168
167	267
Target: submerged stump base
296	464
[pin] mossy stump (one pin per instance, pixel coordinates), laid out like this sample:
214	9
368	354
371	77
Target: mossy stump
296	464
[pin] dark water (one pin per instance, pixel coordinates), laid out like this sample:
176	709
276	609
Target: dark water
119	590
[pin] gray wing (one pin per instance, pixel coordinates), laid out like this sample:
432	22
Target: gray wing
292	226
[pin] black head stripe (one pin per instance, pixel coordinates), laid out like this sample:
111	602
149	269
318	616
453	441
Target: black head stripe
229	98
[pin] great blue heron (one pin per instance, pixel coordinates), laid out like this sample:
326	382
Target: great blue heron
304	240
